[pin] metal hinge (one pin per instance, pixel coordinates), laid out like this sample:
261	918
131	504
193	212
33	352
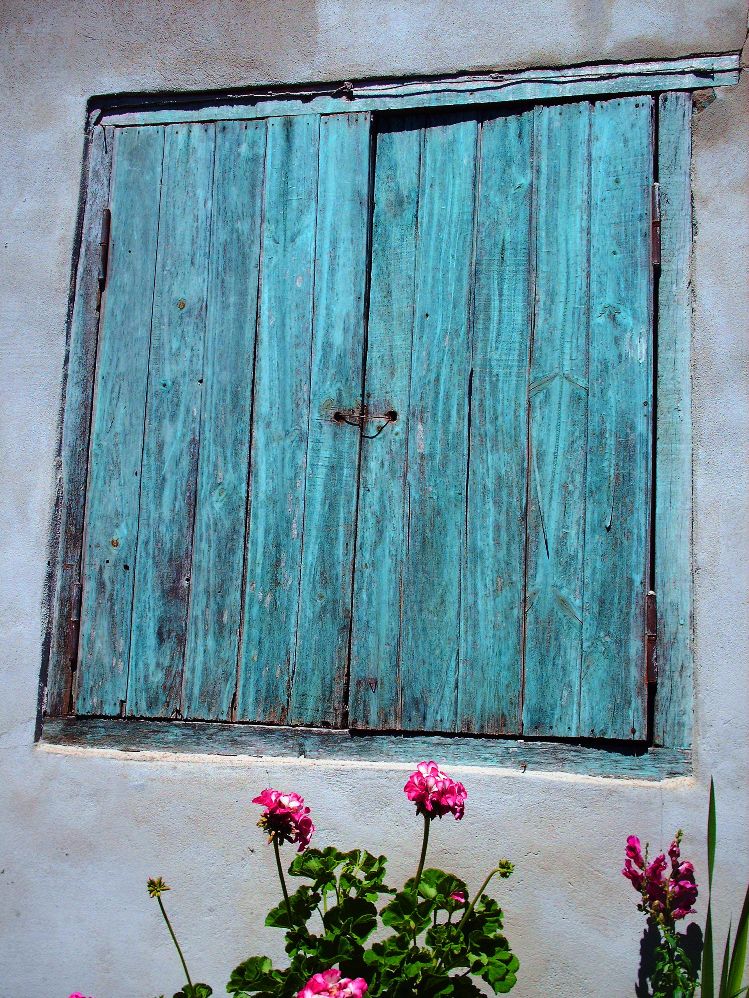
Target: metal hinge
651	634
106	225
655	224
73	628
345	90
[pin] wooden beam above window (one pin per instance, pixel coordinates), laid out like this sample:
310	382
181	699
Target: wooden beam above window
597	80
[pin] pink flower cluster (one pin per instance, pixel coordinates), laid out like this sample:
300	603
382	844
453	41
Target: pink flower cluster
330	984
667	897
285	818
77	994
434	793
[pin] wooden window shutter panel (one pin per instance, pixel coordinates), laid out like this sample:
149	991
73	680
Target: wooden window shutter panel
501	522
232	312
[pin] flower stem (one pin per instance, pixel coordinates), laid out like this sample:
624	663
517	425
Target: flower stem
424	844
472	905
281	878
174	938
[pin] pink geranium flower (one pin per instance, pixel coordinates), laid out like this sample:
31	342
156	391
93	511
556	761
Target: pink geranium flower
458	896
285	817
434	793
665	897
330	984
77	994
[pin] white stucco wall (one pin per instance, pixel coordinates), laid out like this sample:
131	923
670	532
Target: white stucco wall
80	831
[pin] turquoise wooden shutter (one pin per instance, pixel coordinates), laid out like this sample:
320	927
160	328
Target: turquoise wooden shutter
590	422
502	550
501	522
220	508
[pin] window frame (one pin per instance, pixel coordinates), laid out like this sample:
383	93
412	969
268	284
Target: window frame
669	630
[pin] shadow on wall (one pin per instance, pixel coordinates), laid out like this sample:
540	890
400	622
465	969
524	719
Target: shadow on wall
691	940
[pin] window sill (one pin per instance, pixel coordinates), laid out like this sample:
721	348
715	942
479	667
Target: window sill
208	738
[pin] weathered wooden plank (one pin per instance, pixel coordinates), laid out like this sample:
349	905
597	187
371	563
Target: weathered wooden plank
216	580
79	365
438	435
558	421
375	688
117	444
280	420
673	464
172	426
613	700
491	625
469	89
322	640
401	750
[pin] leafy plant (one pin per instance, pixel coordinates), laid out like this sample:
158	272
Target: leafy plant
734	958
667	897
437	942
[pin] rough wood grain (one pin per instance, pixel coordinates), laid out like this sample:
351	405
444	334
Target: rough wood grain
117	444
558	421
673	485
492	571
216	581
163	562
438	433
375	688
280	419
340	746
692	72
619	421
80	363
318	683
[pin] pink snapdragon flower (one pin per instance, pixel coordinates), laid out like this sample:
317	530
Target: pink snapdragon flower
666	898
434	793
633	852
330	984
285	817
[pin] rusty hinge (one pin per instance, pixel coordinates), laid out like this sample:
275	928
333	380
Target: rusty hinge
345	90
655	224
651	634
106	225
73	627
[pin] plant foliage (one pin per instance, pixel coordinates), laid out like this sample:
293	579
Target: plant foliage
733	966
436	944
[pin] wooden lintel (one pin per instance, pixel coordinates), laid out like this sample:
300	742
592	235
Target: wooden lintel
603	79
205	738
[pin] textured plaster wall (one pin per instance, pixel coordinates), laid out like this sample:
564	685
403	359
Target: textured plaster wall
80	832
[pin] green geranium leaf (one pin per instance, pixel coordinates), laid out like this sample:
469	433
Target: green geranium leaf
443	986
390	952
255	976
405	914
436	886
363	875
499	971
302	903
318	865
463	987
195	991
354	917
485	917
